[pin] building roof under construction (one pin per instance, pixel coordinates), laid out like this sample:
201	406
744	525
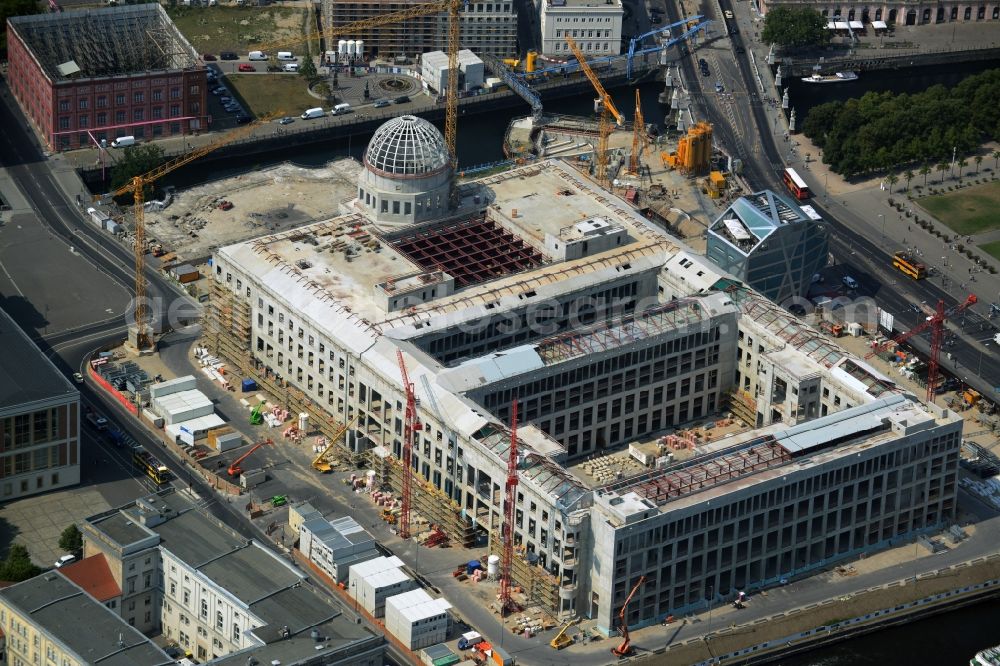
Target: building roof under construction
106	42
750	219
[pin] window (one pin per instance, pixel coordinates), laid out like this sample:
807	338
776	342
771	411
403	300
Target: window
120	100
64	105
84	103
204	609
139	97
218	620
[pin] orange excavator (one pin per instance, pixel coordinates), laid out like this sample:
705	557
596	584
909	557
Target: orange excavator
624	648
234	469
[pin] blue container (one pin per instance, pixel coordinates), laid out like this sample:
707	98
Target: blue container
472	566
249	385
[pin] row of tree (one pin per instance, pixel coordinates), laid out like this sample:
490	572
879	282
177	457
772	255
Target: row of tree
882	130
795	27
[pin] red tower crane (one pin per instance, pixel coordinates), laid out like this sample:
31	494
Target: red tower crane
624	648
506	602
936	323
411	424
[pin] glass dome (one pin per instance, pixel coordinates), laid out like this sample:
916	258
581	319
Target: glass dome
407	146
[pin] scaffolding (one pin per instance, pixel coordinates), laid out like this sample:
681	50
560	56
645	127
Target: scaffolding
432	504
538	585
105	42
744	407
697	474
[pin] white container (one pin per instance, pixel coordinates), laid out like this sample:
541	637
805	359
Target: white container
351	45
342	46
359	47
493	566
303	421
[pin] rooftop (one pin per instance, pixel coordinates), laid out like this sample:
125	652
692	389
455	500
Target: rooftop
417	605
574	4
62	610
750	219
93	575
250	573
26	374
111	41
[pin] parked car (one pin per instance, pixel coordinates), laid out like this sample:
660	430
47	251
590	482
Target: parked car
850	282
77	377
229	55
402	99
220	90
379	103
728	14
242	119
64	560
208	57
246	67
287	120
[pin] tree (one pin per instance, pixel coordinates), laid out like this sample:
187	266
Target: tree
996	158
308	68
909	175
71	540
962	163
924	170
18	565
9	8
942	167
135	161
892	180
979	161
795	27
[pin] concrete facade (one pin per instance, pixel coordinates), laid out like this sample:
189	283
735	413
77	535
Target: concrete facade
596	26
898	13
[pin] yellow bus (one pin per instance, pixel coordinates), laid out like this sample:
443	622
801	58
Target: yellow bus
906	265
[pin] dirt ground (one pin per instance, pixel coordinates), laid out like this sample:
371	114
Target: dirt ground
265	201
216	29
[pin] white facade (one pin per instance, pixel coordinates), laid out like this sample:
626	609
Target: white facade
434	70
372	582
596	26
416	619
334	546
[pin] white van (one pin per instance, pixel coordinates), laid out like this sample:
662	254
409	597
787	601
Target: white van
291	67
341	108
257	55
285	55
313	113
123	141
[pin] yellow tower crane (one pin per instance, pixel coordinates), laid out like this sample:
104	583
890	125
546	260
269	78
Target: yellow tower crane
639	141
322	461
140	336
607	110
453	8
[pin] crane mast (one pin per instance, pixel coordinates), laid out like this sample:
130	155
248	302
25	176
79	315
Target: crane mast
607	110
638	136
936	323
506	584
411	425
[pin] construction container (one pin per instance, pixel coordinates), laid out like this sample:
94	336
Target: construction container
438	655
417	619
252	478
185	383
501	658
372	582
334	546
248	385
185	273
224	439
157	421
183	406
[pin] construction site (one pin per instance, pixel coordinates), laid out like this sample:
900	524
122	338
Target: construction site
67	70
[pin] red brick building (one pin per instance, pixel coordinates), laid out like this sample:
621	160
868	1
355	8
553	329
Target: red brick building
89	75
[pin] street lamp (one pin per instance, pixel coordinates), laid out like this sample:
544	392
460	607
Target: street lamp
979	369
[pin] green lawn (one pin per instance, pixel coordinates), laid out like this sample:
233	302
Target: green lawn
970	210
992	249
216	29
273	93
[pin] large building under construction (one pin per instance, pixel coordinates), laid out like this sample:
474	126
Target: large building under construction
486	28
98	74
626	352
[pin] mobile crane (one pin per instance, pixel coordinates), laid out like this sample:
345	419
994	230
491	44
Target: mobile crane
321	464
234	469
624	648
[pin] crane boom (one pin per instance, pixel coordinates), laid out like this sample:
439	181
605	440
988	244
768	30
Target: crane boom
602	94
624	648
319	463
136	185
638	136
235	469
506	584
936	323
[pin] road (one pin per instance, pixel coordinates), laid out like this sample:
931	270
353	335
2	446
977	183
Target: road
745	122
